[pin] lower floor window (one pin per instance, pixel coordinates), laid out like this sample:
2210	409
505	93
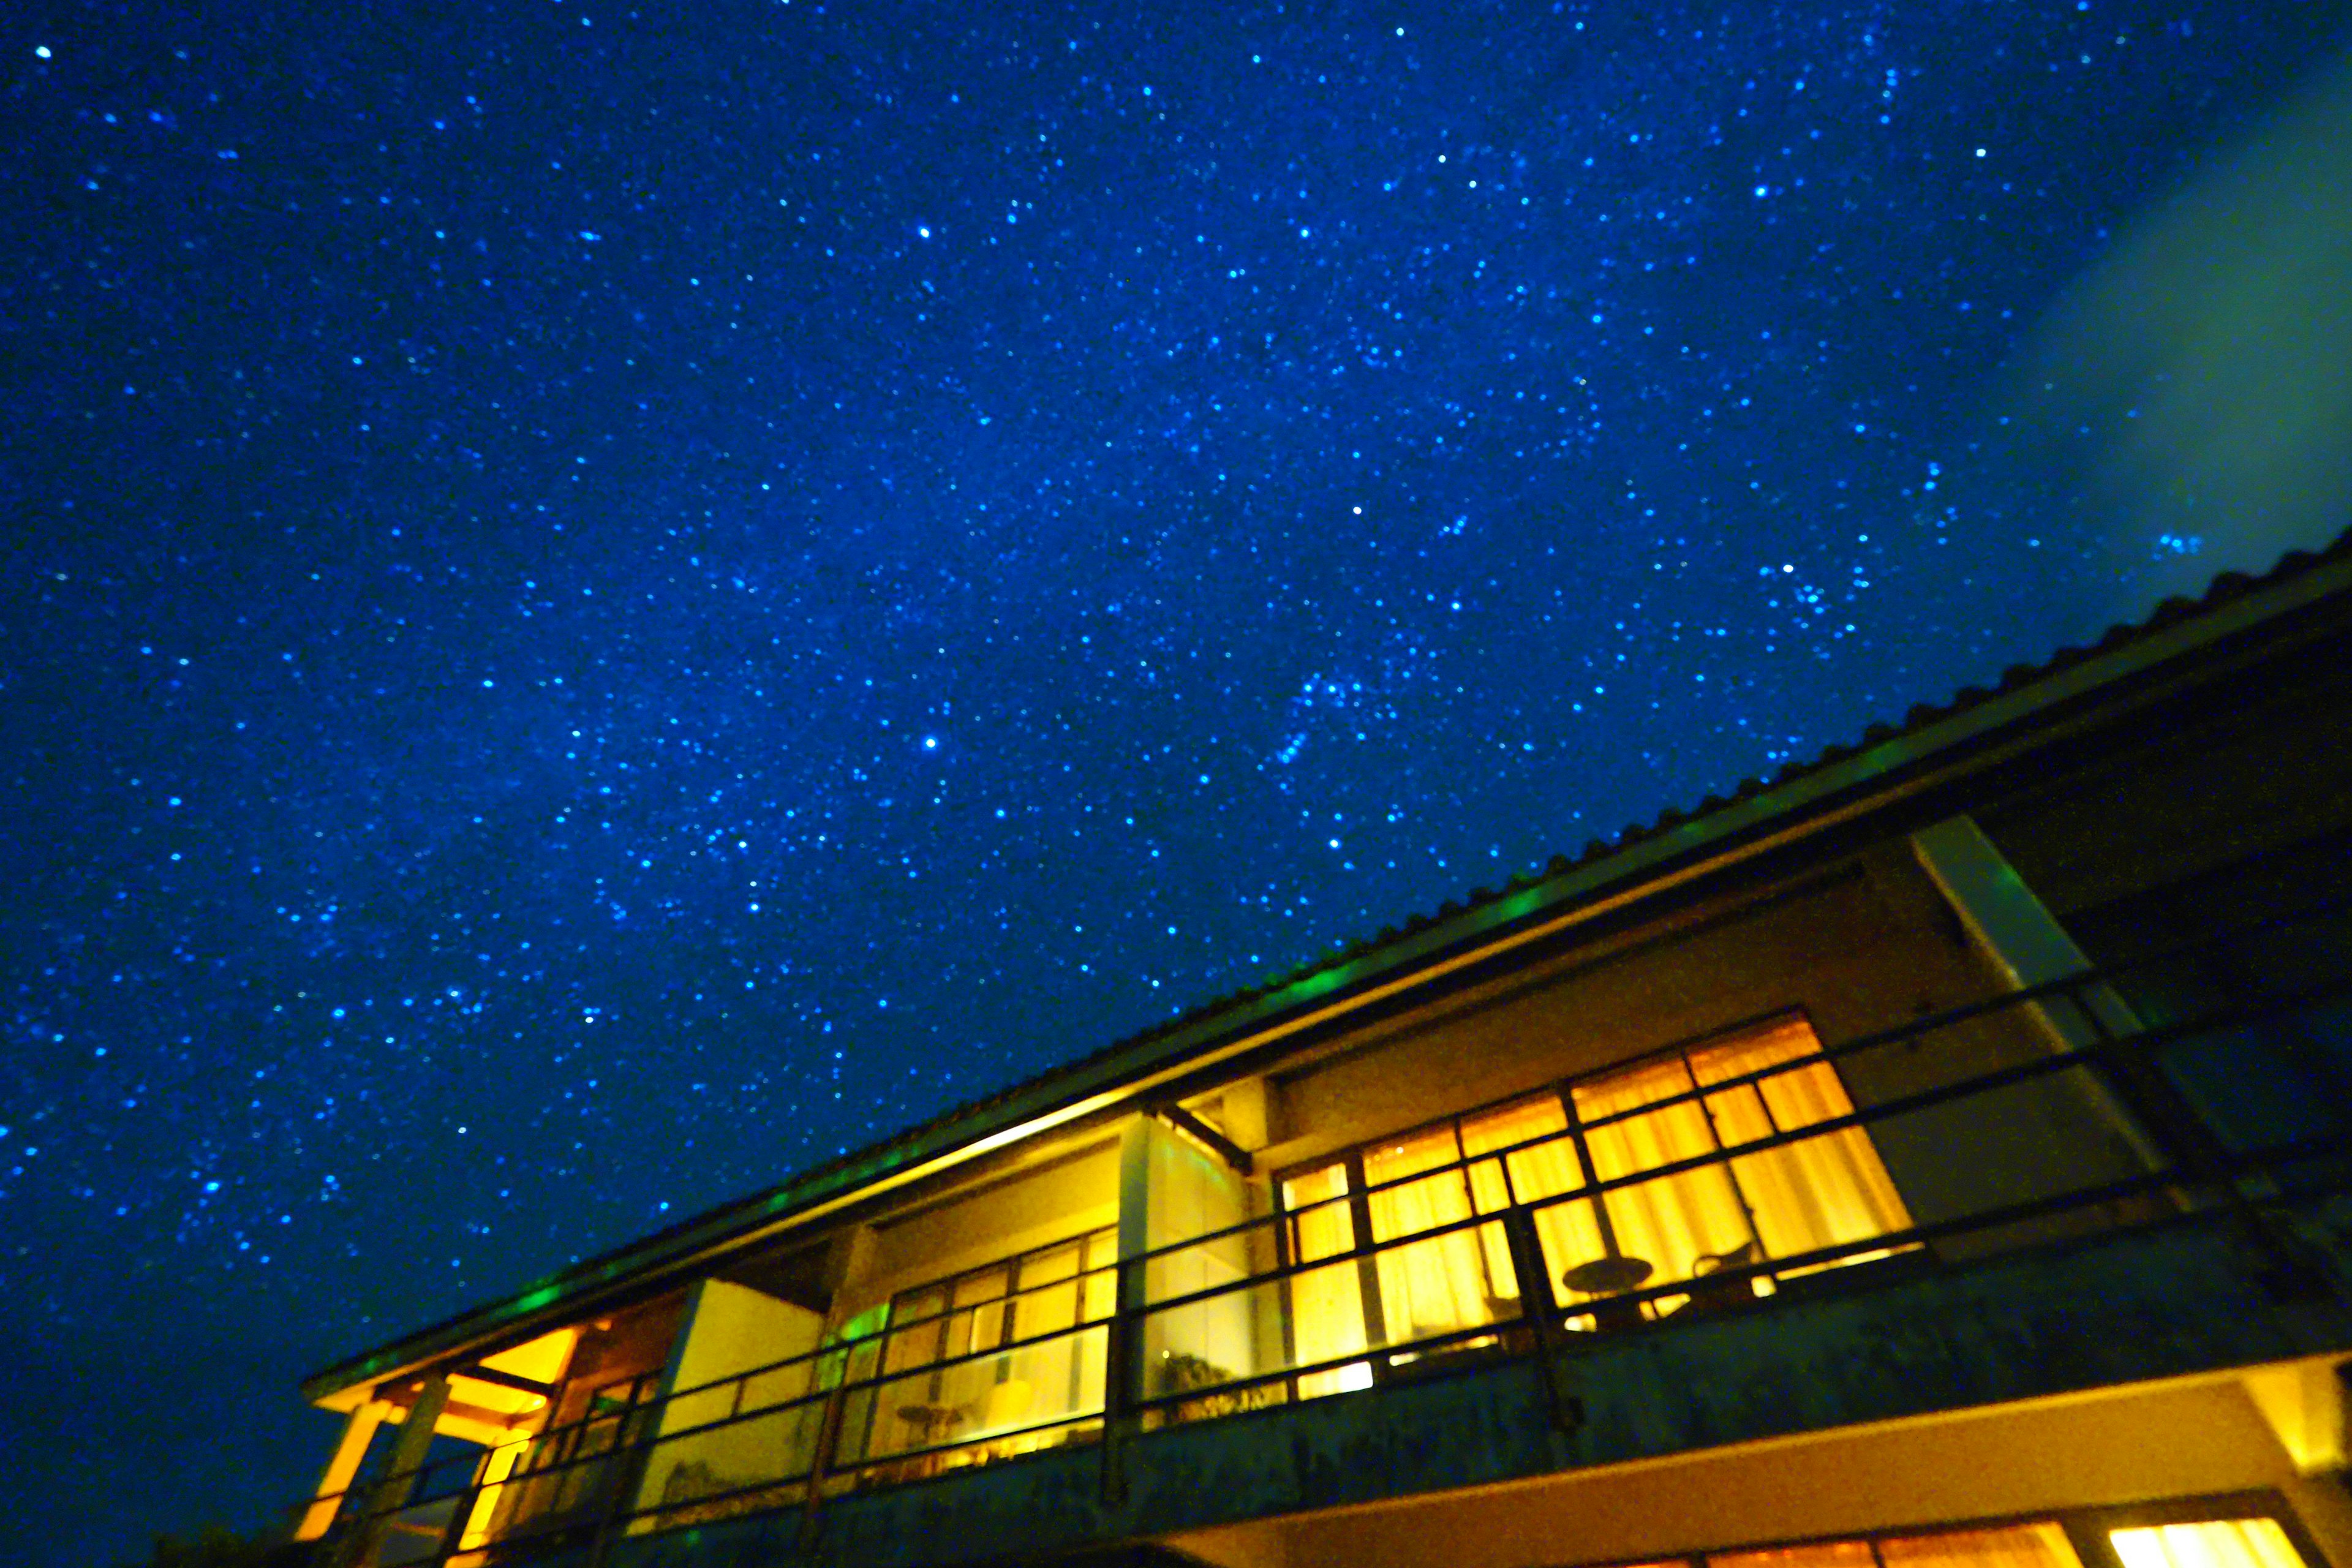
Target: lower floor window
2228	1537
2206	1543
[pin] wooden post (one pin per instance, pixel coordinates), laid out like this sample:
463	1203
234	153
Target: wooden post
359	1431
400	1470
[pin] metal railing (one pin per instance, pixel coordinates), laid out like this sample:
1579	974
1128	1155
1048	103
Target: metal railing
2149	1107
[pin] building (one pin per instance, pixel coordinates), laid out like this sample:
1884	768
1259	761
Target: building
1932	1158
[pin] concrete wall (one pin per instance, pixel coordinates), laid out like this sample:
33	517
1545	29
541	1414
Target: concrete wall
731	1328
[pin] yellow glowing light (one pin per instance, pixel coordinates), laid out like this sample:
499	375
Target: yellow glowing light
2210	1543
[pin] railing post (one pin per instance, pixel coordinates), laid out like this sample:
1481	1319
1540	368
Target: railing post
2138	1080
1541	1307
821	1455
1119	1379
624	1469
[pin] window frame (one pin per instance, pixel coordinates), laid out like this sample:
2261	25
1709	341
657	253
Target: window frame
1560	1091
2086	1529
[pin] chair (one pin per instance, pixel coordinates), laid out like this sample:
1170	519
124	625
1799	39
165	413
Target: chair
1710	1291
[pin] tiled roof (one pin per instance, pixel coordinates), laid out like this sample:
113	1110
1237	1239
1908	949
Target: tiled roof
1563	882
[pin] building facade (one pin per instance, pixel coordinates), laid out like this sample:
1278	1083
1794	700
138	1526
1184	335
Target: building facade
1935	1157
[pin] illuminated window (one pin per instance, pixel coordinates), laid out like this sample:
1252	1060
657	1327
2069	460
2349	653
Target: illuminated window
2212	1543
1011	1352
2039	1546
1754	1189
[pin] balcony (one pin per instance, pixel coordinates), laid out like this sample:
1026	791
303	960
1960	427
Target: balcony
2125	1175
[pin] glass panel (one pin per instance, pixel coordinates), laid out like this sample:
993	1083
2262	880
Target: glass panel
1672	1223
2039	1546
1826	1554
1046	1267
1509	1124
1325	1306
1820	1193
988	1326
1329	1228
986	1285
928	1301
1416	1207
1326	1321
1046	1311
1739	1116
1101	1294
1417	1151
917	1346
2212	1543
1102	1248
1446	1283
775	1386
1037	1385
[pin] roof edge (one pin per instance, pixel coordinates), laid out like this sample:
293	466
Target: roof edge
1652	855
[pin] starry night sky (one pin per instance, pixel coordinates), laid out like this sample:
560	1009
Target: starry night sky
602	603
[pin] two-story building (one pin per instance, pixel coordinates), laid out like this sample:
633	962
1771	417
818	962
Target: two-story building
1933	1157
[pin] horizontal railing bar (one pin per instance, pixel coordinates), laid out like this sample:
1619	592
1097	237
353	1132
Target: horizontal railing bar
1430	1344
1353	1255
846	1390
2141	1040
2069	985
870	1461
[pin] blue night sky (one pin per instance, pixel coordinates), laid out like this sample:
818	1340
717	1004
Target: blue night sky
602	603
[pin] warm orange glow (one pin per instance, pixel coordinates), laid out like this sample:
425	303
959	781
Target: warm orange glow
541	1360
2040	1545
495	1469
1826	1554
2214	1543
359	1428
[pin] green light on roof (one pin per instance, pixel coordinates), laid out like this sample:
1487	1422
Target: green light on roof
1316	984
532	1300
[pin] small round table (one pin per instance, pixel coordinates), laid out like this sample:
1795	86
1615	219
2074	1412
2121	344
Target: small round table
1607	1275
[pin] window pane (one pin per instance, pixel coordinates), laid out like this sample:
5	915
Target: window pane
1642	1142
1403	1156
1419	1206
1102	1248
1798	1097
1510	1124
1827	1554
2040	1545
1820	1193
986	1285
1438	1286
927	1302
1101	1294
1044	1312
917	1346
1046	1267
1328	1228
2214	1544
1675	1221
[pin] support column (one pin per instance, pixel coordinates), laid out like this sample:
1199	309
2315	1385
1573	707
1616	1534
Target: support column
400	1472
359	1431
1126	1324
2017	934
